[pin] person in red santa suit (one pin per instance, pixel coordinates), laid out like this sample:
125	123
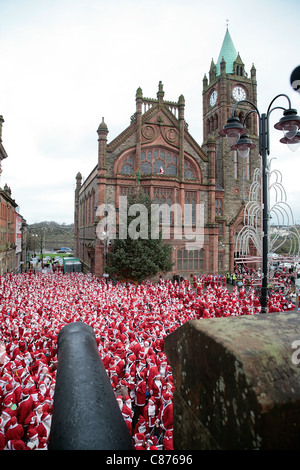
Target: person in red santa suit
165	415
42	392
114	379
17	444
130	366
131	388
141	426
9	392
2	435
135	347
119	399
32	441
52	390
150	412
10	407
119	365
43	374
157	388
168	440
15	430
18	392
140	394
126	412
44	427
146	350
30	422
152	370
6	417
164	368
142	366
25	406
139	441
128	402
30	382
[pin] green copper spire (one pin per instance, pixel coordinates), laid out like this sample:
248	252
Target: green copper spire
228	52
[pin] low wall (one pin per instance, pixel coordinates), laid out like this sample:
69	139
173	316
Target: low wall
237	382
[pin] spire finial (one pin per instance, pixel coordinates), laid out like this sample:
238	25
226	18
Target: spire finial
227	23
160	93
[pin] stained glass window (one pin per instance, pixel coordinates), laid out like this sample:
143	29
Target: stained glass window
158	161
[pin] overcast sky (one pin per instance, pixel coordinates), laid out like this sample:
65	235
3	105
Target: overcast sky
65	64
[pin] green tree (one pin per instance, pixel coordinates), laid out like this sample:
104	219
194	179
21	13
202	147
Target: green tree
140	257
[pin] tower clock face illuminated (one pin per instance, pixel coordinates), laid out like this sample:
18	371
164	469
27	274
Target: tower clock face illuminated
238	93
213	98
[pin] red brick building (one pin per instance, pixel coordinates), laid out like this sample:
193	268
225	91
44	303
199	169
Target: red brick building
11	237
157	152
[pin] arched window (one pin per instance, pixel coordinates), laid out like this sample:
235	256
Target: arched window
128	166
188	171
208	126
215	122
159	161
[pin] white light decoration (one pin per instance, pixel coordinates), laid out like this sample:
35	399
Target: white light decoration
280	213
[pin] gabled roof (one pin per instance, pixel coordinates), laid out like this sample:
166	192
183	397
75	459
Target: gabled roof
154	109
228	53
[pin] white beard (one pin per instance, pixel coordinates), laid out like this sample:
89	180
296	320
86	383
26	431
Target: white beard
151	410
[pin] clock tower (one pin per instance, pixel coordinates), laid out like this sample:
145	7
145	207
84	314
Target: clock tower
228	83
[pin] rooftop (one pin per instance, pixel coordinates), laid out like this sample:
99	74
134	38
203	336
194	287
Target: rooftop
228	52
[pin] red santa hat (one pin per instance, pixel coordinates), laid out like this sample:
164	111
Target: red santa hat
32	433
8	401
17	444
45	415
131	358
166	397
9	387
13	421
139	437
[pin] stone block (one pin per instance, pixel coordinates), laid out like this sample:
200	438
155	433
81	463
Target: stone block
237	386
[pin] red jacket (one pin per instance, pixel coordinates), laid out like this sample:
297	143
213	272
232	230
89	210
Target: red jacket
166	416
140	393
24	408
14	432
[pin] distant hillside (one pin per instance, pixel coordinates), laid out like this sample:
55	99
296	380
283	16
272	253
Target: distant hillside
53	235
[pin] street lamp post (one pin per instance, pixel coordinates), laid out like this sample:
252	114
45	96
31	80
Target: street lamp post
237	137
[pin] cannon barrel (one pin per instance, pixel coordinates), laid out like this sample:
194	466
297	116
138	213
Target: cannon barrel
86	415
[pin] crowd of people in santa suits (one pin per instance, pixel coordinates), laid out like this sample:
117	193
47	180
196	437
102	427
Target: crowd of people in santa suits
130	323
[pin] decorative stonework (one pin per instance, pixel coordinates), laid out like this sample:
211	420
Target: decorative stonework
149	132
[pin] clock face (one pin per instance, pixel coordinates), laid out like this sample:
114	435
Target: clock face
238	93
213	98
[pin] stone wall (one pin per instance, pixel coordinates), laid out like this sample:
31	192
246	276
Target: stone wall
236	384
